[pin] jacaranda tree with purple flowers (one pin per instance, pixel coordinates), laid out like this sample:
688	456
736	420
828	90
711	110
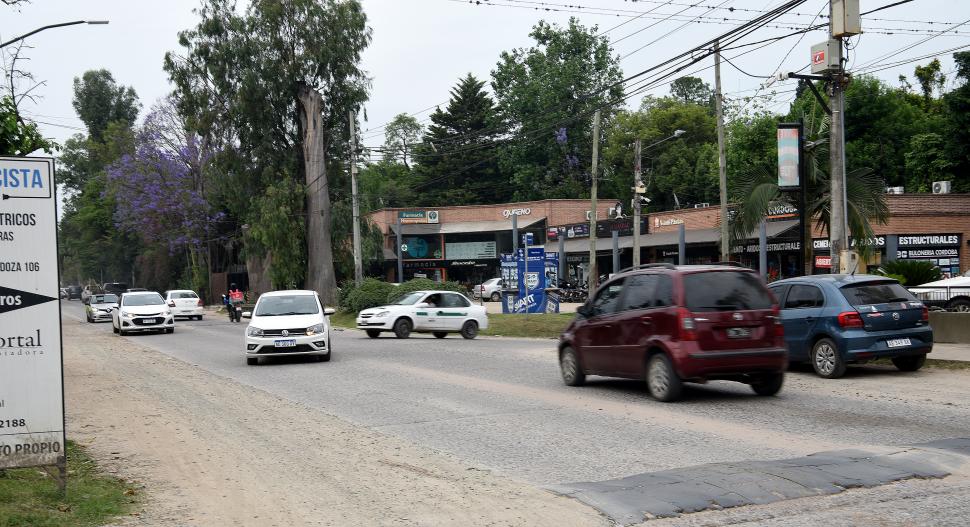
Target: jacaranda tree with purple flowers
161	198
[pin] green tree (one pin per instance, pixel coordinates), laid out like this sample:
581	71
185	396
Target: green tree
457	165
99	100
279	229
548	94
401	135
279	81
930	78
679	167
927	161
957	104
19	137
692	90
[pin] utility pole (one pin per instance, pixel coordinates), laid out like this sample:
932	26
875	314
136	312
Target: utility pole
593	276
358	266
838	226
721	153
638	192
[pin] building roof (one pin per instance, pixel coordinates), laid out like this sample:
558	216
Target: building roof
464	226
661	239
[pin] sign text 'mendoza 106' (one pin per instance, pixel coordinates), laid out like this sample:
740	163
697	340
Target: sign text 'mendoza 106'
31	379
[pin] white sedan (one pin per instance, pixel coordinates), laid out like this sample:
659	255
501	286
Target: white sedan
288	323
436	312
185	303
142	311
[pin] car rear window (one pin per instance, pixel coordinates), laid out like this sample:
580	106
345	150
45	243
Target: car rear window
725	291
187	294
868	293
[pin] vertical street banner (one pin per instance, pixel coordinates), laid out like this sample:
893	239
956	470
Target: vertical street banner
789	155
31	372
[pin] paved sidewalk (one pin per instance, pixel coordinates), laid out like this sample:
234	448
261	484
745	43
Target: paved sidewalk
942	351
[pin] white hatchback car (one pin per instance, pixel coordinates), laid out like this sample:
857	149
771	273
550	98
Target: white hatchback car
436	312
288	323
142	311
185	303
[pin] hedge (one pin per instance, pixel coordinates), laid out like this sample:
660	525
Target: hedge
373	292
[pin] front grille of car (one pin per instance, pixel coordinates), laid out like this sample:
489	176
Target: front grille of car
366	316
279	332
299	348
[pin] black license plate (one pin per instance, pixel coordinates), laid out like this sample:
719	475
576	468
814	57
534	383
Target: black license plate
739	333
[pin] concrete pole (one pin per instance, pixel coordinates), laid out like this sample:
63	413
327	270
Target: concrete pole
515	235
763	249
637	186
400	253
593	272
616	251
681	245
721	155
838	235
562	258
358	264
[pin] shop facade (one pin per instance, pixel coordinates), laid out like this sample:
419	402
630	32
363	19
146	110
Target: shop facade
465	243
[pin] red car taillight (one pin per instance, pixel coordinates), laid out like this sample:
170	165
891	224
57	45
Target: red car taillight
926	314
686	324
850	319
200	304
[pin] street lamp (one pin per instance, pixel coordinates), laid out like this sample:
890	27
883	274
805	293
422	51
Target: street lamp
38	30
639	190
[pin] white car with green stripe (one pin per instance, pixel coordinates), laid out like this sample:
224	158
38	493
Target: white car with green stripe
435	312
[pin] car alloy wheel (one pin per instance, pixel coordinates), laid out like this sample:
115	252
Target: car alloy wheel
572	374
496	297
826	359
662	382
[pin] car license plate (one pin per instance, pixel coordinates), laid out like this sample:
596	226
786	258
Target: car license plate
149	321
738	333
284	343
898	343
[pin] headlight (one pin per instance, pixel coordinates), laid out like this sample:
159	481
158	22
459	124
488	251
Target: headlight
254	332
127	314
382	314
313	330
166	313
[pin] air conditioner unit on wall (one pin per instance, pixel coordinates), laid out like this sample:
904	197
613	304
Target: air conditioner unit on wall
941	187
895	190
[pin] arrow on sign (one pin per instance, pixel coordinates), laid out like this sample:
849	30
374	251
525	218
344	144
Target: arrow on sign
8	196
14	299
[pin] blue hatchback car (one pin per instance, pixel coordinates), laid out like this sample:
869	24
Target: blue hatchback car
834	320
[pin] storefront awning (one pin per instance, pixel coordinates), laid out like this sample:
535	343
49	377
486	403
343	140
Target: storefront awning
662	239
465	226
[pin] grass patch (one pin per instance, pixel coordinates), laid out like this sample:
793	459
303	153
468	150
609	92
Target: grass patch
29	496
541	326
932	363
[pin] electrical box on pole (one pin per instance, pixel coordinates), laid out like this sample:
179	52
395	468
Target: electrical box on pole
827	56
846	20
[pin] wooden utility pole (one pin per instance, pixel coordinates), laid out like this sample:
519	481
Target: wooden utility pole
721	154
358	265
638	192
593	276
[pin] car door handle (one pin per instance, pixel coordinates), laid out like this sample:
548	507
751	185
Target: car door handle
646	321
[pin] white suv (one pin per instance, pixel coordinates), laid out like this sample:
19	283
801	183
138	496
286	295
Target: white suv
288	323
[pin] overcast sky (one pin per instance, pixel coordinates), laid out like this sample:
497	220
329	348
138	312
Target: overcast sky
421	47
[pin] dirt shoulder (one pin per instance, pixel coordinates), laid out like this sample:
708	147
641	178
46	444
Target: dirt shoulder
210	451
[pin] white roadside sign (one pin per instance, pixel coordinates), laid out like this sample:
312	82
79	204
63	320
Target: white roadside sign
31	372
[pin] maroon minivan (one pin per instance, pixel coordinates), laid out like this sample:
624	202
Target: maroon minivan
671	324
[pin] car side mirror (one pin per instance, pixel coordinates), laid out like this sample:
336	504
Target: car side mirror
247	314
422	305
329	311
583	310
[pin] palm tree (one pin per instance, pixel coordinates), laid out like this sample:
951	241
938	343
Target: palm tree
755	189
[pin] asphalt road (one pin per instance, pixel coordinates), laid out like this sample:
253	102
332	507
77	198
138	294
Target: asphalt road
499	404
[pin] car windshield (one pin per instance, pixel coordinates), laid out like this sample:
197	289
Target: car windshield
868	293
104	299
409	299
725	291
276	306
147	299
